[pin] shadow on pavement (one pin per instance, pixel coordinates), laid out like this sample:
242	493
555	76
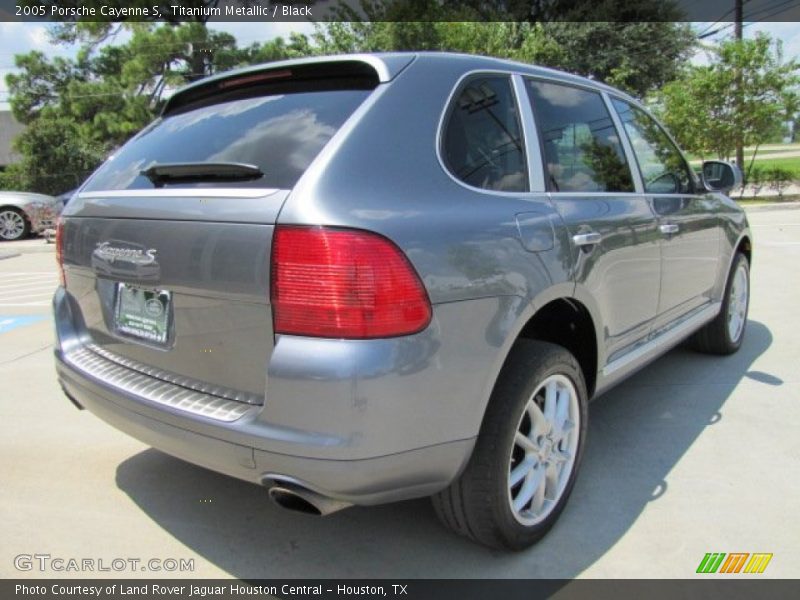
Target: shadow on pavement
637	433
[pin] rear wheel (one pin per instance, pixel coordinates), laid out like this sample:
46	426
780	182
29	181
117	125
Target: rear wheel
526	457
13	224
725	333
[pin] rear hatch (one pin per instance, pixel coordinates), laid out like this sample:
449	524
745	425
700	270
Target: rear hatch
166	250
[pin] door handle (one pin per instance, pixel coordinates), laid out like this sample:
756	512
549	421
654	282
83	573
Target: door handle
587	239
668	228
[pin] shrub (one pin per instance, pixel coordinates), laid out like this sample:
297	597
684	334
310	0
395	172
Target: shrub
778	179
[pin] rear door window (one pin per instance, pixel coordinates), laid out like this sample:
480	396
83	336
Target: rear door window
281	134
581	146
482	142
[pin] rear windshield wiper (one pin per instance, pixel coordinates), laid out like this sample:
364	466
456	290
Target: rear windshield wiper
164	173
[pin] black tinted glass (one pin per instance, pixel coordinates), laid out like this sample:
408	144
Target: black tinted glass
483	144
663	169
280	134
582	149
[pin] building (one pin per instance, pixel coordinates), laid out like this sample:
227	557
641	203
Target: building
9	129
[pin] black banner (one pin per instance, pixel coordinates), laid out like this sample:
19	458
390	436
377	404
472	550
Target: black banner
709	588
177	11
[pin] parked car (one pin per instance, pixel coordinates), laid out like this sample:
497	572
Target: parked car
24	213
66	196
362	279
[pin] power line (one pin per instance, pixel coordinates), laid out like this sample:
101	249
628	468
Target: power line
787	5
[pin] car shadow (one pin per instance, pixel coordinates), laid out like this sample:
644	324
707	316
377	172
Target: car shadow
659	412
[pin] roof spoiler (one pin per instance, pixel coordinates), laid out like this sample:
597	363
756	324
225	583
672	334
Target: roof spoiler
366	67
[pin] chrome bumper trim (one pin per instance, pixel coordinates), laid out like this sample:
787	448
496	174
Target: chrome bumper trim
155	390
186	382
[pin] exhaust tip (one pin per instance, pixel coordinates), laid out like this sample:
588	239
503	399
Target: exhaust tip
290	500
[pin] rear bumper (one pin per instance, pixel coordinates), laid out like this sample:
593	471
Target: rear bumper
377	480
362	422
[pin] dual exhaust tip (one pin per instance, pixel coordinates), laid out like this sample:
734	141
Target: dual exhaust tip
298	499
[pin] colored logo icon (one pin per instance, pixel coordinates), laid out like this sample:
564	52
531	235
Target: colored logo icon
734	562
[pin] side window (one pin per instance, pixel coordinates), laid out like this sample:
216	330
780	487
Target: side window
581	146
482	142
663	169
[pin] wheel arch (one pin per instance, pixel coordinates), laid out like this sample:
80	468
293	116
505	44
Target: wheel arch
567	322
560	319
745	246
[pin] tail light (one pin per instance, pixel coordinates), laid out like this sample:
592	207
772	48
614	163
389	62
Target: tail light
344	283
60	251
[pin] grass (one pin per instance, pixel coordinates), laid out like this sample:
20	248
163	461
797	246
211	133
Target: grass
750	201
791	164
772	150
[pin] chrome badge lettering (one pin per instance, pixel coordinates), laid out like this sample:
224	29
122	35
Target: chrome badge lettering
111	254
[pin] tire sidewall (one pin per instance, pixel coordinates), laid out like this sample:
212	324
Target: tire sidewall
515	534
740	259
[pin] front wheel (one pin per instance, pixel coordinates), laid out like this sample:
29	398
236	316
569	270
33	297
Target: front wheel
527	454
725	333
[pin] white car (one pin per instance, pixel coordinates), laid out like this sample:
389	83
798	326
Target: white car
23	213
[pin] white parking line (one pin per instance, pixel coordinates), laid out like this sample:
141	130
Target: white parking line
18	304
27	297
29	286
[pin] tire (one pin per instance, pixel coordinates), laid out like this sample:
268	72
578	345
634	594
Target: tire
13	225
479	504
725	333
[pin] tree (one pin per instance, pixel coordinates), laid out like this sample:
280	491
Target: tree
636	56
702	109
55	158
78	111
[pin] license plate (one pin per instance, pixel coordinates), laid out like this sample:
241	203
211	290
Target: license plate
143	313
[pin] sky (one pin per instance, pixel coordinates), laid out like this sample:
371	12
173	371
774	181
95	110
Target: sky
19	38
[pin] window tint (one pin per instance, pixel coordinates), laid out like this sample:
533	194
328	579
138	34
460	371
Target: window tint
581	146
482	140
281	134
663	169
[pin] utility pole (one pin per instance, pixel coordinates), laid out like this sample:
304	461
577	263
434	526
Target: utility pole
737	32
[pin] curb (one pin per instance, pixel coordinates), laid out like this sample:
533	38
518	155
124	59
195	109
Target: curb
4	255
773	206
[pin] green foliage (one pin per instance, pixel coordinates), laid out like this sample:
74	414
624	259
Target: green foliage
772	176
638	57
790	164
55	158
778	179
77	111
707	114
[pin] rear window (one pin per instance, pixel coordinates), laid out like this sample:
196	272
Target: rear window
482	141
281	134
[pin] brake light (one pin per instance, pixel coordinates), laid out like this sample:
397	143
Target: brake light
344	283
60	251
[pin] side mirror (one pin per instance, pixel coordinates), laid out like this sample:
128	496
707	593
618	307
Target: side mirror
721	176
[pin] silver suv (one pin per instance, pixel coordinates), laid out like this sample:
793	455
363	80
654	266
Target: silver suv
362	279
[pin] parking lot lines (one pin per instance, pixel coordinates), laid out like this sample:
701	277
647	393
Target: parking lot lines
27	288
